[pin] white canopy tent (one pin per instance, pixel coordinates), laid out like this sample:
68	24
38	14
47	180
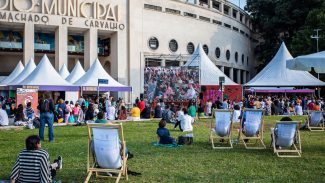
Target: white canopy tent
275	74
46	77
64	72
96	71
209	72
25	73
19	68
76	73
306	62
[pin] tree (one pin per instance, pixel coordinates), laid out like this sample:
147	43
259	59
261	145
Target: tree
302	43
277	21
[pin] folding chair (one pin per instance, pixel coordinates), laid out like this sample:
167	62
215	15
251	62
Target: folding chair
286	139
252	126
106	152
221	127
315	121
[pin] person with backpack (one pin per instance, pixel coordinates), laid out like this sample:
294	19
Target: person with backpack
46	108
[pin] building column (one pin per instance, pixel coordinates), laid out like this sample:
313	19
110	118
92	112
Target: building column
163	63
222	68
28	42
231	73
210	4
90	52
238	76
197	2
244	77
181	63
61	47
248	76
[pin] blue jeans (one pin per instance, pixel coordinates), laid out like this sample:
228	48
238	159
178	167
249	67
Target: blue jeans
46	117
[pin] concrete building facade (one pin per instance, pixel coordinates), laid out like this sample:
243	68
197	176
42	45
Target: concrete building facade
126	35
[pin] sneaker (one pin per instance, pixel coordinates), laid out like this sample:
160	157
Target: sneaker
60	162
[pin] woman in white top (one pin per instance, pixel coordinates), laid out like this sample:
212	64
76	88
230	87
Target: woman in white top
4	121
298	109
209	107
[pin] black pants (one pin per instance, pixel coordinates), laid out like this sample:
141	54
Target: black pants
178	123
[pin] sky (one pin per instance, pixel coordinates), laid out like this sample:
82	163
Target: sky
236	2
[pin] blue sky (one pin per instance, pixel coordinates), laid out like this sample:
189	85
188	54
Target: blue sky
236	2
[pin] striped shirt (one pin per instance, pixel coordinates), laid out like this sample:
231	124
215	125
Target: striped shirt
32	166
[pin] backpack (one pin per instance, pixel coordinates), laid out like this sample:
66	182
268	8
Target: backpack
45	107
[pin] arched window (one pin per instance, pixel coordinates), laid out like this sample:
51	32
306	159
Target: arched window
236	57
190	48
206	49
173	45
228	55
242	59
153	43
217	52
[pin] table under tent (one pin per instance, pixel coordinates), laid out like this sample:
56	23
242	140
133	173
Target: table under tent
276	78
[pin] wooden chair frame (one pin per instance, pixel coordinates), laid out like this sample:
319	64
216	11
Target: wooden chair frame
91	159
295	150
259	144
314	128
214	136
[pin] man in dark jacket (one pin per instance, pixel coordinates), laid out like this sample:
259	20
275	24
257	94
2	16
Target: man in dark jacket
158	111
46	108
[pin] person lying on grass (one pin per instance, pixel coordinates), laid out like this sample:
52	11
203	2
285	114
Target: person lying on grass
163	136
33	163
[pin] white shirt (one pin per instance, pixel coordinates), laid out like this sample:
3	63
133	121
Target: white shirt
236	115
4	121
209	106
186	123
111	113
179	115
298	110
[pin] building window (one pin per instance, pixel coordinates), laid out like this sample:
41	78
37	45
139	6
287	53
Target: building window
228	54
235	29
217	22
190	48
204	18
242	32
172	11
236	56
227	25
153	43
152	7
216	5
173	46
217	52
206	49
234	13
242	59
226	9
190	15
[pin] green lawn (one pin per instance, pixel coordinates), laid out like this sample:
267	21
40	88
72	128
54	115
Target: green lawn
195	163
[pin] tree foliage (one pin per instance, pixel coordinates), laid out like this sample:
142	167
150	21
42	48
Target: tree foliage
277	21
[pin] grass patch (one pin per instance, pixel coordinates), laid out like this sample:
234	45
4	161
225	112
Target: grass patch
195	163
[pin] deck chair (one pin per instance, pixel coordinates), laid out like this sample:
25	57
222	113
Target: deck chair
286	139
221	127
252	126
315	121
106	151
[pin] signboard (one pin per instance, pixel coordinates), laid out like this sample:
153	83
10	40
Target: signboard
103	81
27	95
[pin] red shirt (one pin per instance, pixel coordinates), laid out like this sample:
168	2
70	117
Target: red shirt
141	105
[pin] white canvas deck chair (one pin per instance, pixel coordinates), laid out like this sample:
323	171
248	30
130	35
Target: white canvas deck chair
221	127
315	121
106	151
251	131
286	139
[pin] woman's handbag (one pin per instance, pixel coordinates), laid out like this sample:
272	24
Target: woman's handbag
71	119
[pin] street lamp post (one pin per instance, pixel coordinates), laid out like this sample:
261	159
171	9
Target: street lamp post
317	38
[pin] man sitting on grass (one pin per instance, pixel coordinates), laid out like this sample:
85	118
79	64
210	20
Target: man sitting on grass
33	163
